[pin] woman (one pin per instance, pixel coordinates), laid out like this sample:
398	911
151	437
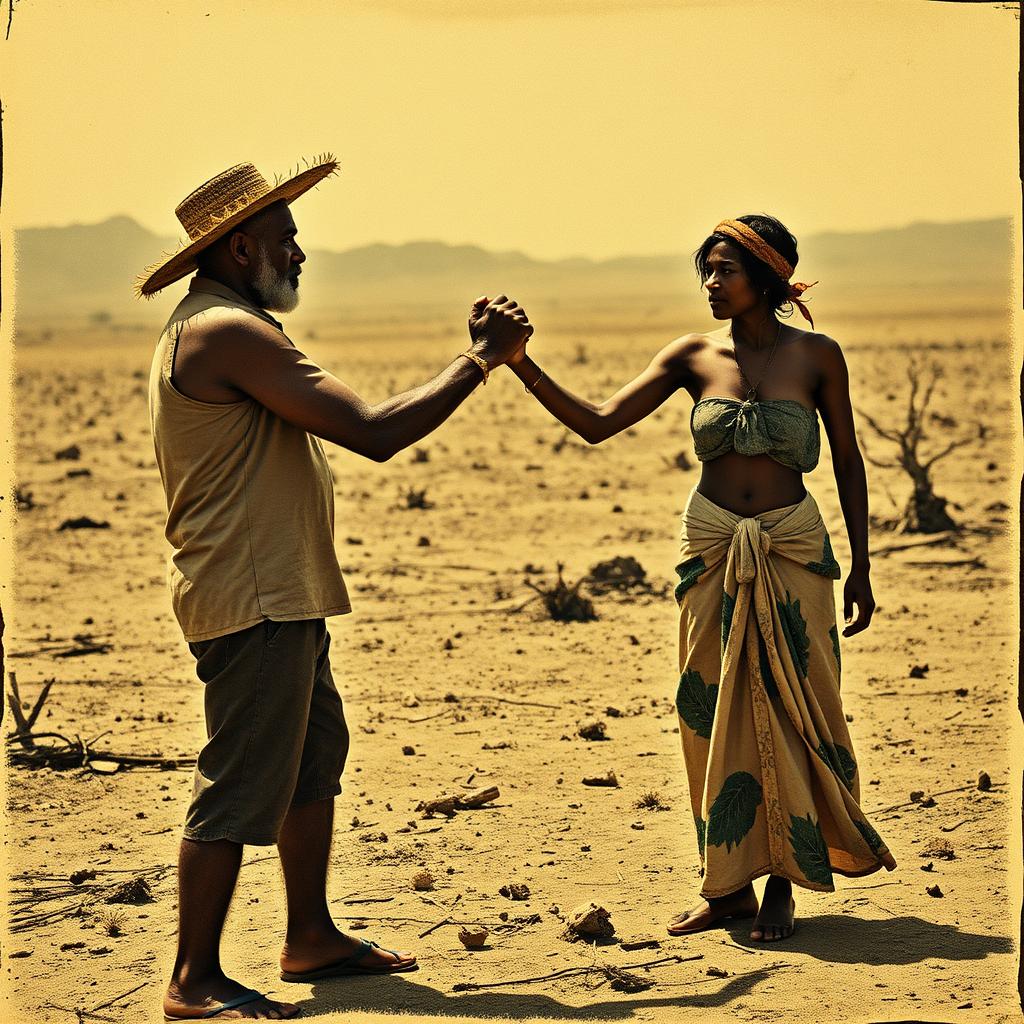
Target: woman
774	786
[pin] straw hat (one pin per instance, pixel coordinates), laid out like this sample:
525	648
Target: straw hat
219	205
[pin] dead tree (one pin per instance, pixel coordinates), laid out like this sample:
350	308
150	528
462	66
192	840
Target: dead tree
925	511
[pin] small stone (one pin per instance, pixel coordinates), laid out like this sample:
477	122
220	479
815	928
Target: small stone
589	921
423	881
984	782
19	954
918	671
409	751
473	938
935	891
592	730
515	891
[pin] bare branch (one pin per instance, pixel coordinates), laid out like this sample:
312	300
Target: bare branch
952	446
889	435
881	464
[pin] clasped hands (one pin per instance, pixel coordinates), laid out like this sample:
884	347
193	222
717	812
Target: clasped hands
500	329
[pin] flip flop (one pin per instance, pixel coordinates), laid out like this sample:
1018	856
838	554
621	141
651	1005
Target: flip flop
351	965
248	996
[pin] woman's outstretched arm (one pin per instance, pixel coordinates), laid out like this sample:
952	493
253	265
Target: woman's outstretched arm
665	374
833	397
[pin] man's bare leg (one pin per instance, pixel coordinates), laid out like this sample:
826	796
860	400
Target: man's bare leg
312	940
207	873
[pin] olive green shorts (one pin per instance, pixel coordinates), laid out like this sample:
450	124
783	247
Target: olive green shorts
276	730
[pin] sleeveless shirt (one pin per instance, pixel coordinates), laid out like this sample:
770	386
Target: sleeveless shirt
782	428
250	499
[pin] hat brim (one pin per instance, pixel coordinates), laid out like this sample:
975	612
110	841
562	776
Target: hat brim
176	266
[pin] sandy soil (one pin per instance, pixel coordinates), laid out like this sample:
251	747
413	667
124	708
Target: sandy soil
442	655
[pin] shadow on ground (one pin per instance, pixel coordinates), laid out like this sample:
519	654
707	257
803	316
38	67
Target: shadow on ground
833	938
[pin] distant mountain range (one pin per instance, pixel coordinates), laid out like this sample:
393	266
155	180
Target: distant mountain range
86	271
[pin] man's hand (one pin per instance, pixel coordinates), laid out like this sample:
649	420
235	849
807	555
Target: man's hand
499	329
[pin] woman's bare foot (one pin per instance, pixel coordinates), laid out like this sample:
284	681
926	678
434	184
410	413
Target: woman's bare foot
313	951
775	920
742	903
193	999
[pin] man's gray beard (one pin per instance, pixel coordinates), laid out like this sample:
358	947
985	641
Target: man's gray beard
273	292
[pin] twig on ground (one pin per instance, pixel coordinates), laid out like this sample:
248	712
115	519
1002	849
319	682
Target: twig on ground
470	986
444	920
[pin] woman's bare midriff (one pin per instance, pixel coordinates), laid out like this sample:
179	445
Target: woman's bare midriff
748	485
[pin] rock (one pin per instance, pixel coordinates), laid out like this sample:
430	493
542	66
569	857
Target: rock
409	751
928	867
592	730
83	523
916	796
423	880
20	954
611	779
984	782
928	801
356	926
589	921
78	877
935	891
473	938
515	891
717	972
918	671
71	454
134	890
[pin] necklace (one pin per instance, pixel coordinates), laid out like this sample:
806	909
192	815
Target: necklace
752	388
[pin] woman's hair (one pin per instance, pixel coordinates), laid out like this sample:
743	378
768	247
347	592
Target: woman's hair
762	277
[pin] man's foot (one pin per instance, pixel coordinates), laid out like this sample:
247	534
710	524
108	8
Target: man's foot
775	921
193	1000
314	952
742	903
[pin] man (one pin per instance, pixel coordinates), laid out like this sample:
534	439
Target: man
236	412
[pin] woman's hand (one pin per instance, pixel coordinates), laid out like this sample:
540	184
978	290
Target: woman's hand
857	591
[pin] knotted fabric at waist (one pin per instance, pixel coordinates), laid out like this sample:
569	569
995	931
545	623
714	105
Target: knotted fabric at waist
710	533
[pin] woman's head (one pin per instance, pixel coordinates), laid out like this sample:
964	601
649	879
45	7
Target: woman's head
721	256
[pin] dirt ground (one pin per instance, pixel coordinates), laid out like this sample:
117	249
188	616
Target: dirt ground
445	654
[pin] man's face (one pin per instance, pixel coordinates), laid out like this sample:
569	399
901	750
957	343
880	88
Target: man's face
276	267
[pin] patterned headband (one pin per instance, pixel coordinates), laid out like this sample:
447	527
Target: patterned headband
754	243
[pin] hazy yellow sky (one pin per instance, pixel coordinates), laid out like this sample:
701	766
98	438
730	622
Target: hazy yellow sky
556	128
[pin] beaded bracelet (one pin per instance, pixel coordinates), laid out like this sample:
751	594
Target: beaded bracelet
530	387
473	357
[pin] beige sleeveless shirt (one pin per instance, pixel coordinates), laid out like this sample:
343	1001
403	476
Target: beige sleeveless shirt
250	499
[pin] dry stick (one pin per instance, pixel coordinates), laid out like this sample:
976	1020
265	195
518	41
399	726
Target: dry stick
117	998
942	538
425	718
521	703
577	970
945	792
444	920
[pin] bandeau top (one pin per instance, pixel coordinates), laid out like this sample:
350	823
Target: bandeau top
780	427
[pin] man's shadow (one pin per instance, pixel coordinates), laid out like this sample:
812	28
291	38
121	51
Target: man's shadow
832	937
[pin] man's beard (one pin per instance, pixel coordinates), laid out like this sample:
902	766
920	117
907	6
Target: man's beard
273	292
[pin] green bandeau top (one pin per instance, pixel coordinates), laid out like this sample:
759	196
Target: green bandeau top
780	427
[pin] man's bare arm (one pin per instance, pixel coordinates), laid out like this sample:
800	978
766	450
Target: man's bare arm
254	358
